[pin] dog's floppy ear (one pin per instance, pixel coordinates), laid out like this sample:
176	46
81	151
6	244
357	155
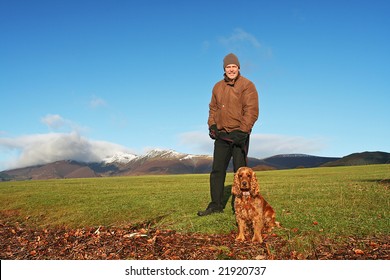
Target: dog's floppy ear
255	190
236	183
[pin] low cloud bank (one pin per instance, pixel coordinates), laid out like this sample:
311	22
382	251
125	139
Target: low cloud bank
45	148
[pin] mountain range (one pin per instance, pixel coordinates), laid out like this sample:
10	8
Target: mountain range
171	162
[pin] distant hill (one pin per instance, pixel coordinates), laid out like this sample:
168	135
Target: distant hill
364	158
171	162
289	161
56	170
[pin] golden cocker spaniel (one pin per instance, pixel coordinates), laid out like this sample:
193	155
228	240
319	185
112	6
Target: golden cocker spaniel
250	206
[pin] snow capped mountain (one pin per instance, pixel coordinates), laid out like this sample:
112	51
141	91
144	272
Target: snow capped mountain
157	161
192	157
160	153
171	154
125	158
119	158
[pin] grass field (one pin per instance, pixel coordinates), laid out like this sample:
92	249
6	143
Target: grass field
332	202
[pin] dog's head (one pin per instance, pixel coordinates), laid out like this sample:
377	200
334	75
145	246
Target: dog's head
245	183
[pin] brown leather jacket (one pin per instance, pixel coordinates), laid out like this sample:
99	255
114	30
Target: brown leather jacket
234	105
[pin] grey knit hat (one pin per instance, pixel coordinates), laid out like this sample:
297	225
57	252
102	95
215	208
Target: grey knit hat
230	59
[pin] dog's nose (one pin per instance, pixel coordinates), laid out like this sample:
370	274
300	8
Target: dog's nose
244	183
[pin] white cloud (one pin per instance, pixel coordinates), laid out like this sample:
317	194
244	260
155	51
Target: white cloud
45	148
96	102
58	123
196	142
265	145
247	46
240	36
53	121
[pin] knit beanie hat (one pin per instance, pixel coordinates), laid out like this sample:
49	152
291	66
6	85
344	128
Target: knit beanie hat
230	59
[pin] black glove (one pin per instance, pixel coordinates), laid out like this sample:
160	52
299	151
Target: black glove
213	131
239	137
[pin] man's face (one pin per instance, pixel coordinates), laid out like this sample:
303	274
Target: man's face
231	71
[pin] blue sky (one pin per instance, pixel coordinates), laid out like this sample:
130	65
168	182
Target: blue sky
86	79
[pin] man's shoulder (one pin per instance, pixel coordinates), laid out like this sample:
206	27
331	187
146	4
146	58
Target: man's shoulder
220	83
244	80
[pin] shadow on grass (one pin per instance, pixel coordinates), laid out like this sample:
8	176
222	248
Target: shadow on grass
227	192
383	182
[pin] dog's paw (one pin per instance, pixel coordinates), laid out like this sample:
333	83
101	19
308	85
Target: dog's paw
240	238
257	238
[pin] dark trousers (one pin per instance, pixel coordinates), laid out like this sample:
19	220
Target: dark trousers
223	152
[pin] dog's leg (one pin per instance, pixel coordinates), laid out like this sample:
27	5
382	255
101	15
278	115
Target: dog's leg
257	228
269	223
241	230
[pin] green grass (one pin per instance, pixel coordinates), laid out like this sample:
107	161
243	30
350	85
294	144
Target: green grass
343	201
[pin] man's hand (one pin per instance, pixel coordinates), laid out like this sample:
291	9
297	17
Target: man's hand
239	137
213	131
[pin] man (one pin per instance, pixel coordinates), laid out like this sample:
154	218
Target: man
234	109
